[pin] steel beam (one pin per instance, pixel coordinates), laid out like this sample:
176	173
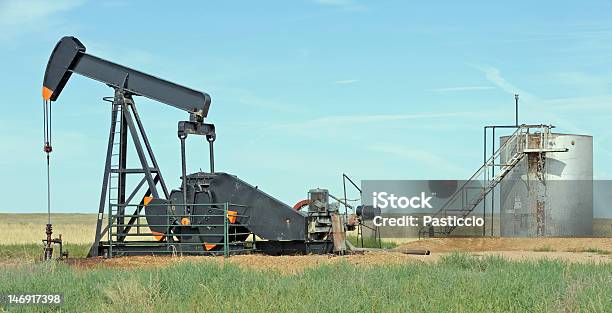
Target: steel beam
69	57
138	145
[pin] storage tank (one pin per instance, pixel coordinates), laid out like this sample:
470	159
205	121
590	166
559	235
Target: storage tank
550	194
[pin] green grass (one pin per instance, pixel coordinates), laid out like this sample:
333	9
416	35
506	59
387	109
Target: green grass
369	242
29	252
458	283
596	250
545	248
41	218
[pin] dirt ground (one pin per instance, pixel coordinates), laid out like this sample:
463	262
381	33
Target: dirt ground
283	264
436	245
566	249
76	228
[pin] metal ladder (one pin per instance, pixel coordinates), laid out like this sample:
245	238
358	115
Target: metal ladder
113	176
462	203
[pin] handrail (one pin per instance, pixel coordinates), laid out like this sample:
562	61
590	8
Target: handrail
153	240
514	140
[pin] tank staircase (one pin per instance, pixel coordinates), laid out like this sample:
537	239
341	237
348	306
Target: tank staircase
525	139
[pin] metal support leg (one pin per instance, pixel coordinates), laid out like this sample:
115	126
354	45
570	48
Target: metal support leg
143	159
105	178
134	217
184	171
493	190
484	161
145	139
121	186
212	154
129	123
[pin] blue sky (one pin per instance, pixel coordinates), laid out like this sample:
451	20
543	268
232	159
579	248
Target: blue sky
303	91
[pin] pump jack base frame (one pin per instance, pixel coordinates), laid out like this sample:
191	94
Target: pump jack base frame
267	247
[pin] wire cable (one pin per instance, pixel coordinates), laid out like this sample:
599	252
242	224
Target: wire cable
47	148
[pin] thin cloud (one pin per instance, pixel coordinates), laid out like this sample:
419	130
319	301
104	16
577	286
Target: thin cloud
334	2
585	81
599	102
493	75
540	110
345	81
19	17
344	4
462	88
337	120
304	53
420	157
123	55
248	98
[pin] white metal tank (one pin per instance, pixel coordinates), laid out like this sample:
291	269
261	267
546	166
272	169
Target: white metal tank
550	196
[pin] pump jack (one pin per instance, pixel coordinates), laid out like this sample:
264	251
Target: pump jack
211	211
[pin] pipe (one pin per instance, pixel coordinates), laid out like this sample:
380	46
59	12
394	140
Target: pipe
516	97
415	251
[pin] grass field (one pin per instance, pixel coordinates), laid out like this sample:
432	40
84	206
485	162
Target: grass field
458	283
30	228
380	282
369	242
